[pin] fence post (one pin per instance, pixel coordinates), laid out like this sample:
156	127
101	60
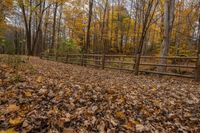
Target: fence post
103	61
197	74
48	56
121	62
56	54
82	59
41	55
66	60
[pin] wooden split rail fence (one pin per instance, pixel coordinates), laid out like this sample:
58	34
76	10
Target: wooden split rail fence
188	67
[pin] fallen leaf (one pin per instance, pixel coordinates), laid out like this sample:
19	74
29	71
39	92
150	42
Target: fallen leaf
101	127
42	91
53	111
154	89
1	94
134	121
68	130
15	121
28	94
10	130
130	126
140	128
25	123
12	108
121	100
1	81
113	121
120	115
11	94
157	103
39	79
4	66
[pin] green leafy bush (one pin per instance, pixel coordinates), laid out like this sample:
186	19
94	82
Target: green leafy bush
68	46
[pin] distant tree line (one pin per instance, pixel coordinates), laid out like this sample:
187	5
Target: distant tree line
139	27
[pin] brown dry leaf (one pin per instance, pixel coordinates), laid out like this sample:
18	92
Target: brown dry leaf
1	94
134	122
134	125
157	103
28	94
130	126
68	130
12	108
154	89
120	115
53	111
1	81
10	130
140	128
113	121
101	127
68	92
4	66
110	91
61	122
39	79
11	94
15	121
121	100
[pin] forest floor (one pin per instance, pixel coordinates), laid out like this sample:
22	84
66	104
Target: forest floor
44	96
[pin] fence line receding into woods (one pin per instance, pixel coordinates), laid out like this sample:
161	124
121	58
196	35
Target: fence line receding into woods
187	67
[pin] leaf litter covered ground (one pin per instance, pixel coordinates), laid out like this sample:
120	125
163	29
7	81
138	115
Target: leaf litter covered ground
44	96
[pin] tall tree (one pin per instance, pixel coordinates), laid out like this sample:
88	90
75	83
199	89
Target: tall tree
103	27
89	26
54	25
148	12
32	13
169	8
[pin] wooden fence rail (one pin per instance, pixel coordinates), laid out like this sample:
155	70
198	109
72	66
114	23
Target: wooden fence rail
188	67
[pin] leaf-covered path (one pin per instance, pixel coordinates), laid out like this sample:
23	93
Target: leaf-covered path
44	96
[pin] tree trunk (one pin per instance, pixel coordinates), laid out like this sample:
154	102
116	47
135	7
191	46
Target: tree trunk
58	34
54	26
89	26
168	21
44	45
197	76
148	16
